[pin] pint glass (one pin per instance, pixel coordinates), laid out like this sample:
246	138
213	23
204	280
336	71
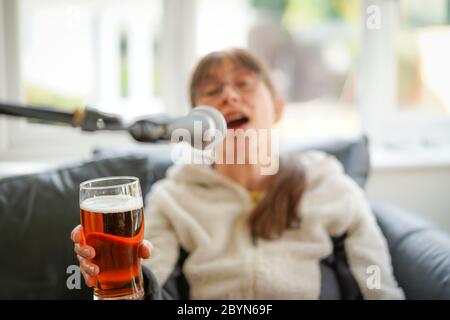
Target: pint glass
111	213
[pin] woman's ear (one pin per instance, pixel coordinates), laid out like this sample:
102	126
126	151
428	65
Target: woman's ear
279	108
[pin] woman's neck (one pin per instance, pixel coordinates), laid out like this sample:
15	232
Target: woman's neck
247	175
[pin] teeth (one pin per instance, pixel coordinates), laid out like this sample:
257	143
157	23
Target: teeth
235	117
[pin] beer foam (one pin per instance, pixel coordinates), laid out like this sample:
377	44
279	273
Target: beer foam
111	204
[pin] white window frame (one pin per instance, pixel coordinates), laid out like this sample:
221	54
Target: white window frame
23	141
377	94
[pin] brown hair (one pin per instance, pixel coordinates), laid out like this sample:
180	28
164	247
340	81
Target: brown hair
278	210
239	56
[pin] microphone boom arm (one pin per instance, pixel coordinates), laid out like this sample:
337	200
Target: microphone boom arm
41	113
87	119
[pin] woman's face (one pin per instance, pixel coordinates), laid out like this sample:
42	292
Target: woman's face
241	96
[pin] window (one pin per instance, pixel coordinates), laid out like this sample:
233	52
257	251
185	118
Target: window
221	24
66	54
404	70
98	53
423	48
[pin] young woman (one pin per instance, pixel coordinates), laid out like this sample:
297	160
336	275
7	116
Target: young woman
304	232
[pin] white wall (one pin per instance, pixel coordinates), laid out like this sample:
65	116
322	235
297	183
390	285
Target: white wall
425	190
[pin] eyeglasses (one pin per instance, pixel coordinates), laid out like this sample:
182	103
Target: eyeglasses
243	84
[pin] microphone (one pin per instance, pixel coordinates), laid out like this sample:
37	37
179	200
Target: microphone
203	127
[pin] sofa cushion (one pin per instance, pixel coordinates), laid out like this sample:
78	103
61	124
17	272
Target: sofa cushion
420	252
37	214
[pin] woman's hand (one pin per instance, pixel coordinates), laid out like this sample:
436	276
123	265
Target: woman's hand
86	253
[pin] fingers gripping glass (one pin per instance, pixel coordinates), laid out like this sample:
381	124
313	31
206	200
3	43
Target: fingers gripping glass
111	212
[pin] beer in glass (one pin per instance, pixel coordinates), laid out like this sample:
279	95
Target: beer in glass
111	212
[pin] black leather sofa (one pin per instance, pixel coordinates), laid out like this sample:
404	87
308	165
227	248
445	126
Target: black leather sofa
38	211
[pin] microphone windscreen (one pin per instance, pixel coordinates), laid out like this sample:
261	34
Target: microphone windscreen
213	132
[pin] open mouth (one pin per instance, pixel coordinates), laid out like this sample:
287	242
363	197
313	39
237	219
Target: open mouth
236	121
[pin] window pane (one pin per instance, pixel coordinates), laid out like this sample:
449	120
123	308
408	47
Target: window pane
423	51
98	53
221	24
